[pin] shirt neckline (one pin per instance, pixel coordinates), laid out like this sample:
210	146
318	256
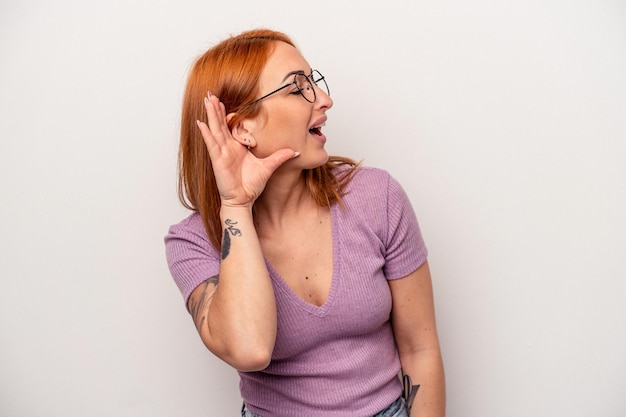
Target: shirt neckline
295	299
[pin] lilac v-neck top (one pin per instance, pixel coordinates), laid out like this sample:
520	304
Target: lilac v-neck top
340	358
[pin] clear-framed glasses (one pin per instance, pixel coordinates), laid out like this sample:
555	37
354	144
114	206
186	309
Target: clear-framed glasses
304	86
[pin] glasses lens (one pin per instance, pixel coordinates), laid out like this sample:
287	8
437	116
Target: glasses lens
319	80
305	87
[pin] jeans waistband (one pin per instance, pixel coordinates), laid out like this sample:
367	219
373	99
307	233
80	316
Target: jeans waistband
392	411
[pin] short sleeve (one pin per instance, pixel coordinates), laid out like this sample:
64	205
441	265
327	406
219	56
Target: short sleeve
405	247
190	256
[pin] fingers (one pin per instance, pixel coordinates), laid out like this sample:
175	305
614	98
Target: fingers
278	158
216	115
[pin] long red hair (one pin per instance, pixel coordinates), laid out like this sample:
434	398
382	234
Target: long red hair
231	71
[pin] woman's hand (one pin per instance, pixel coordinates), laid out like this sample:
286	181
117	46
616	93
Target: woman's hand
240	176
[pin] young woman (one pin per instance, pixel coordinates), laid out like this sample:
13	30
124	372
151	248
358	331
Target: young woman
306	273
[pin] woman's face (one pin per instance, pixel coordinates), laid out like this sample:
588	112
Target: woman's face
286	119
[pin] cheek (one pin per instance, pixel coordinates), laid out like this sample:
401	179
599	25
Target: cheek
287	125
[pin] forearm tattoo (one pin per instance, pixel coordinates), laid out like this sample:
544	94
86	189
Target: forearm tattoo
198	305
409	392
229	231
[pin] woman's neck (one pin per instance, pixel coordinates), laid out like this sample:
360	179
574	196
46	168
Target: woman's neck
284	197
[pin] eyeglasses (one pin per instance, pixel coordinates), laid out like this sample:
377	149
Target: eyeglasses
304	86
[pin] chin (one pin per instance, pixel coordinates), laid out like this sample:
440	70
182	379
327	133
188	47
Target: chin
310	161
322	159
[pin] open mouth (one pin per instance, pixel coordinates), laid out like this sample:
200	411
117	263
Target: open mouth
317	130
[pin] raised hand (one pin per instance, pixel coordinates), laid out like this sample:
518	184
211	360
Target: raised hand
240	176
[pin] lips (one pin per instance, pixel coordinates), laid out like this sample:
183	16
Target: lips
316	129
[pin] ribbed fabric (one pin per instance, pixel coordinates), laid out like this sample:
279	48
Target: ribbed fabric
340	358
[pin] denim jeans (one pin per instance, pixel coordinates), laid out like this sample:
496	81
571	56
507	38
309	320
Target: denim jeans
396	409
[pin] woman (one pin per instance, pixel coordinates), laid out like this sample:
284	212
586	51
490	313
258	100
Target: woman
307	274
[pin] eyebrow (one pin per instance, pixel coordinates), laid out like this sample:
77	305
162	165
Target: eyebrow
292	73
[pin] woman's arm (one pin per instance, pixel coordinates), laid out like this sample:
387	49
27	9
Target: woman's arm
235	312
415	330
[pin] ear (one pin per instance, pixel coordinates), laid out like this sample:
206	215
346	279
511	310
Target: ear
242	132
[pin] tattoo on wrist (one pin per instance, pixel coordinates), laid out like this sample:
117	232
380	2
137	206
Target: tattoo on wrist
228	231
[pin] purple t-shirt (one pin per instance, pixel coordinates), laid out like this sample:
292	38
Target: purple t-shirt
340	358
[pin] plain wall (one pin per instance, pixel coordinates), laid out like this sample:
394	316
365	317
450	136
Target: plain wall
504	121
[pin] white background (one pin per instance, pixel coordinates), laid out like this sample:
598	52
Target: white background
504	120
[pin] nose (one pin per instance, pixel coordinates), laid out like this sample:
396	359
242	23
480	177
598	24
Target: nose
323	100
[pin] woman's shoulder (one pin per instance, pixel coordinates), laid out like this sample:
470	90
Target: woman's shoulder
373	189
370	173
191	222
367	179
190	228
190	256
366	192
